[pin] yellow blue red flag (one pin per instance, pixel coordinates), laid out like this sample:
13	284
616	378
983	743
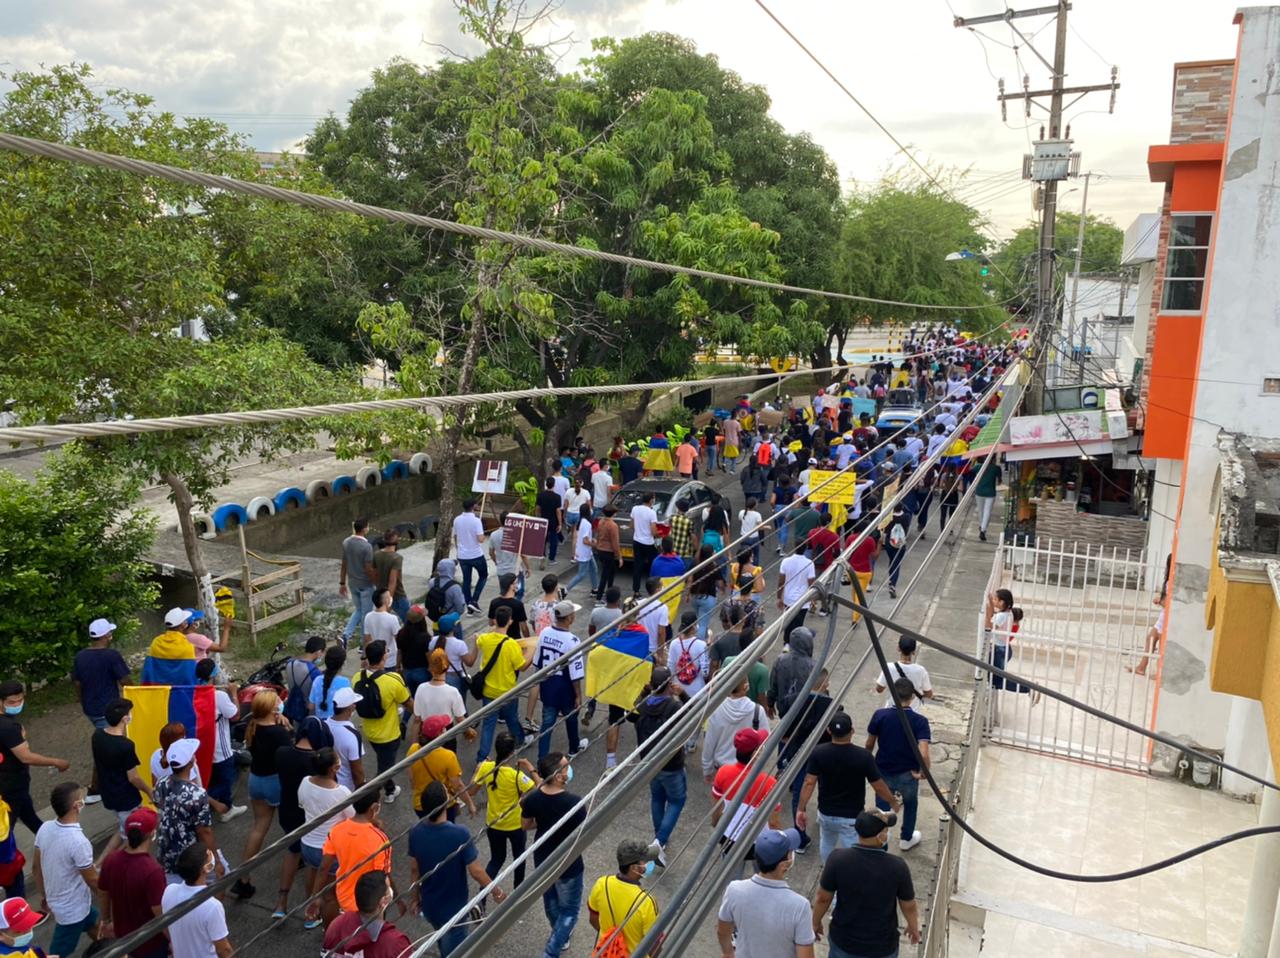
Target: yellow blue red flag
155	706
618	668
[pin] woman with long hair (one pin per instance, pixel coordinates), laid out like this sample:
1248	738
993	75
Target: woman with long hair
317	794
160	764
332	679
504	782
267	732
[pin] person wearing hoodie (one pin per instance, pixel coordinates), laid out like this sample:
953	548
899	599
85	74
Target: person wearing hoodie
454	599
669	789
791	671
731	716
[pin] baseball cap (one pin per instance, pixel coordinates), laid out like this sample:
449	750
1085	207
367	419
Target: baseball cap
447	622
345	697
841	724
434	725
16	915
505	581
195	614
660	676
142	819
416	613
100	627
749	739
813	461
182	752
564	609
633	850
773	845
868	824
176	616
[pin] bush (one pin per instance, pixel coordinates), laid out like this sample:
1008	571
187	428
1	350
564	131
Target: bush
70	551
673	416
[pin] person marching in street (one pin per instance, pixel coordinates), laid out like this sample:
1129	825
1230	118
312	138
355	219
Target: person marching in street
501	661
760	916
608	550
365	931
267	732
115	762
584	553
560	692
388	563
896	759
383	696
618	908
469	542
203	930
669	789
906	668
16	757
542	809
62	871
98	673
504	783
356	576
131	885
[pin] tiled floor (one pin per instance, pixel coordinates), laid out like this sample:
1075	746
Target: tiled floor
1089	820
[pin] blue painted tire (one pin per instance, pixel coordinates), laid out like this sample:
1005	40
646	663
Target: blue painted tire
290	497
395	469
343	485
229	516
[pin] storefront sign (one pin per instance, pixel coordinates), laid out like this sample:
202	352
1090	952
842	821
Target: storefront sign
1078	426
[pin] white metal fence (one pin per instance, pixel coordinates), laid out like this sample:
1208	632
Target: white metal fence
1086	613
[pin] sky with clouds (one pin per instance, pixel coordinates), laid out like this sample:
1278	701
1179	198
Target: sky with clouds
271	68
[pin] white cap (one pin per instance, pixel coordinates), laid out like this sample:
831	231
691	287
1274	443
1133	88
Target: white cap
345	697
100	627
182	752
176	616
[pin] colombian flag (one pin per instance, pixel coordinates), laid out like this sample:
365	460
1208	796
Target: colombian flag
672	600
618	668
155	706
171	660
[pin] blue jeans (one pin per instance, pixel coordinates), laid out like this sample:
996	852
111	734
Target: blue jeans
67	937
835	951
797	786
549	715
585	567
509	712
222	780
456	681
452	939
479	566
705	606
909	788
362	599
415	677
782	525
400	606
711	457
835	832
895	561
562	902
667	793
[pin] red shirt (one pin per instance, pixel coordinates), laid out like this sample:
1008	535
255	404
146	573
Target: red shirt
823	542
861	559
345	936
134	883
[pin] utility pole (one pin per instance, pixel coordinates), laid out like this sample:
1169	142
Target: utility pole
1051	159
1075	282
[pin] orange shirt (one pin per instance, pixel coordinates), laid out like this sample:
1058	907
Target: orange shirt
359	847
686	456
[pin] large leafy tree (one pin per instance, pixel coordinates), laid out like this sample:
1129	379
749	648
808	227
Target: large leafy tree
100	269
1018	258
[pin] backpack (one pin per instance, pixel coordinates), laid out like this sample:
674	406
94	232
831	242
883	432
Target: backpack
612	942
897	535
295	703
687	669
478	680
879	392
366	686
437	599
764	454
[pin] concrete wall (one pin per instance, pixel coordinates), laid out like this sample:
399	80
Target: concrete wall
1243	313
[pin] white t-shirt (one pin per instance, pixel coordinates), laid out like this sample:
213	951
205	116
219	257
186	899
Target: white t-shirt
561	485
193	935
600	483
574	500
315	801
438	700
384	626
798	571
349	745
936	442
552	644
750	520
654	620
916	672
582	542
468	530
1001	623
697	650
159	773
226	710
64	850
643	519
454	650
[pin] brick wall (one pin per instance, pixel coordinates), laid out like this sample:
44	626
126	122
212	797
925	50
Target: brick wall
1157	289
1201	101
1059	520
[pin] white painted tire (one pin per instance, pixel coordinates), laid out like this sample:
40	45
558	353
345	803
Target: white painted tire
368	477
419	463
260	507
319	490
205	528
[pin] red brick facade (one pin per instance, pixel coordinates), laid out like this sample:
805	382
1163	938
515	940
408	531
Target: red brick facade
1201	101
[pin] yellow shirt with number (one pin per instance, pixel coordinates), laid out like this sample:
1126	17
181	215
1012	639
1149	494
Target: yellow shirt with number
612	899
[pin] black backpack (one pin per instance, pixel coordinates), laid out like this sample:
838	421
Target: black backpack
437	599
366	686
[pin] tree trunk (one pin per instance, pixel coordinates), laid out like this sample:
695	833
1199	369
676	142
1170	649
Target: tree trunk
183	503
631	418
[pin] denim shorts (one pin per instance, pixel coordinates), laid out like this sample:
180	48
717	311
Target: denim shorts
311	856
265	788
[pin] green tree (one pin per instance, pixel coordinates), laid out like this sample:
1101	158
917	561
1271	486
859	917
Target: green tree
1018	258
72	548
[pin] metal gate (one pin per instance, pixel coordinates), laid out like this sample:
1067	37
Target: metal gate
1086	613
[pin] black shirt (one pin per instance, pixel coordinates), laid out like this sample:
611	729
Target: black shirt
267	740
14	775
868	884
548	503
113	757
518	613
843	772
546	810
293	764
814	709
726	647
654	712
413	642
629	468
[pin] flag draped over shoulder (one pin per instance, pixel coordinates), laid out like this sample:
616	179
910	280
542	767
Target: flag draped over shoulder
618	668
155	706
672	600
171	660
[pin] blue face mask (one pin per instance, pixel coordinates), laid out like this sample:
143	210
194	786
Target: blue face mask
14	709
22	941
649	868
568	775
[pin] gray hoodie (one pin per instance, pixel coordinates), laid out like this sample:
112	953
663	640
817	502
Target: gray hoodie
454	601
791	670
730	717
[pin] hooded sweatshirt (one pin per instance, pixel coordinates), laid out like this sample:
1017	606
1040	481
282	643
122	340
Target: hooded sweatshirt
731	716
791	671
454	601
651	715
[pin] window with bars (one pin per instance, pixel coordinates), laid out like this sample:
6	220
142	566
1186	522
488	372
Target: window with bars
1187	263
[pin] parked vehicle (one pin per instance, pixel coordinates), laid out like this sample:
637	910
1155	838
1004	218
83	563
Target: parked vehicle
667	495
269	676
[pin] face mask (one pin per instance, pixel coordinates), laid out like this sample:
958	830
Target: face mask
22	941
13	709
568	775
649	868
280	708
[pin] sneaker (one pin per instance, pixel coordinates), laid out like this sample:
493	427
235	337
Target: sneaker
234	812
92	798
656	845
583	744
530	726
473	609
242	889
893	592
982	536
392	795
823	612
909	843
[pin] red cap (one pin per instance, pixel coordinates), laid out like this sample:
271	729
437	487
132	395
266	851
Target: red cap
749	739
434	725
142	819
17	915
